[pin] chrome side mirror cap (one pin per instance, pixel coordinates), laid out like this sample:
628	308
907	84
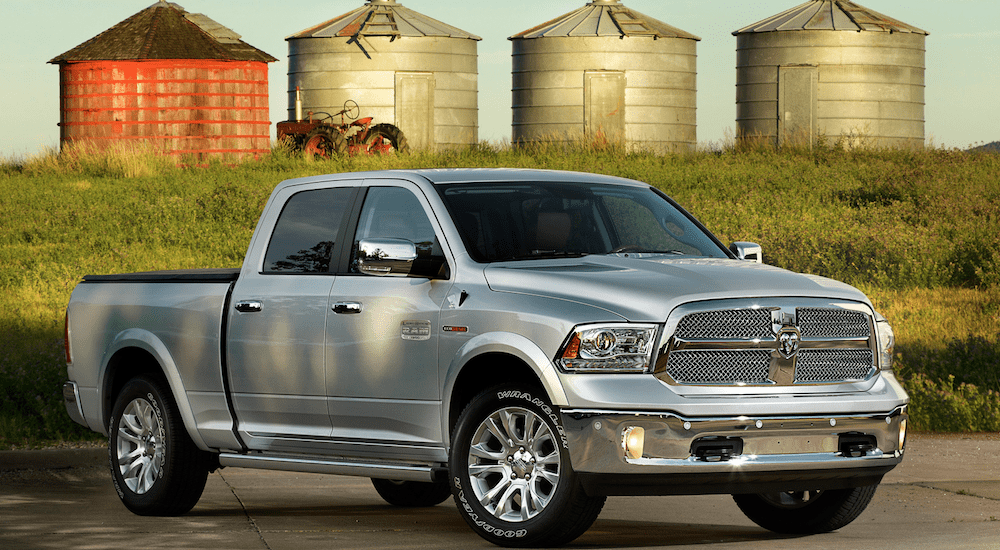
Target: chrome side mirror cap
385	257
747	251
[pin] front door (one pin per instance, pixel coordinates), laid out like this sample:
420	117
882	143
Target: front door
382	360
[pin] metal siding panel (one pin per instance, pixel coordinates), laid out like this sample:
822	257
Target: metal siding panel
331	70
548	84
855	71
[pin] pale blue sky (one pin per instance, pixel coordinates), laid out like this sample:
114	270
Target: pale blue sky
963	54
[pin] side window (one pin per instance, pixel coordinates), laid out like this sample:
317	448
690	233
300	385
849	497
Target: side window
306	231
394	212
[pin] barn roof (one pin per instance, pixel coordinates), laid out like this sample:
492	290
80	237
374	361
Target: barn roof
165	31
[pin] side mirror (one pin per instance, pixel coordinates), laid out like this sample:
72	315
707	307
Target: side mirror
384	257
399	258
747	251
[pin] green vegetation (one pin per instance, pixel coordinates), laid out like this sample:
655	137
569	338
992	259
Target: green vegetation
916	230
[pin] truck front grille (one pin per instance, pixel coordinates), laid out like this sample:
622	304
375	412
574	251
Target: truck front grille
742	347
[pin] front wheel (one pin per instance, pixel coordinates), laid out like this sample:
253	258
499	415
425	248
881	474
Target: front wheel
156	468
806	512
510	465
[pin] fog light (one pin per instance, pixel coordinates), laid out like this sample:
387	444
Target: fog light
633	440
902	434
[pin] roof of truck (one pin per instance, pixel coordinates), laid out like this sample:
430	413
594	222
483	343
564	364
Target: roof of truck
443	176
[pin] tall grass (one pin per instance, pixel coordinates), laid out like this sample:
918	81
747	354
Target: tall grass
916	230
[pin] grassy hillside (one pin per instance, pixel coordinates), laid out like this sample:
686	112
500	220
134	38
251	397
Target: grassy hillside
917	231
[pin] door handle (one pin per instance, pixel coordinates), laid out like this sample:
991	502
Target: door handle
249	306
347	307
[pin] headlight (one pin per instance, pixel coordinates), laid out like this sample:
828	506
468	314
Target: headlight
608	348
886	342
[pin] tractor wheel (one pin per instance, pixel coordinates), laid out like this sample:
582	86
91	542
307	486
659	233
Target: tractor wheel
324	142
385	138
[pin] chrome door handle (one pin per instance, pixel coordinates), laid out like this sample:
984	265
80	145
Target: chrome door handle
249	306
347	307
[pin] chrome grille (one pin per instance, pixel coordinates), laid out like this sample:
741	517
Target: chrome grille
739	346
719	366
726	324
832	323
834	365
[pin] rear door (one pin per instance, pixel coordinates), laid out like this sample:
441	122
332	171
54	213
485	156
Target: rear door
277	327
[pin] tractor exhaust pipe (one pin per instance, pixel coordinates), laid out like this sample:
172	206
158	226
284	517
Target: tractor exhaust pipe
298	104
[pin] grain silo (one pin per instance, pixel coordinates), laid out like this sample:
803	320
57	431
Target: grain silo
605	72
834	69
400	66
176	80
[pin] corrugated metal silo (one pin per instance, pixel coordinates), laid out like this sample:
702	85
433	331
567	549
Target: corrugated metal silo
177	80
400	66
605	71
831	68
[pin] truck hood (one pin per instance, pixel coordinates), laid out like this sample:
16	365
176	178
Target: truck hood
647	288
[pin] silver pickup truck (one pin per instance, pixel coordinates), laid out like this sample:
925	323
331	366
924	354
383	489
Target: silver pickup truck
528	342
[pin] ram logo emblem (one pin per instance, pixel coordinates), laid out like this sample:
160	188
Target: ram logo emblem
788	341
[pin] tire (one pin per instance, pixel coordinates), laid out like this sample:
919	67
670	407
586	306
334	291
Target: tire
156	468
323	142
385	138
412	494
510	465
806	512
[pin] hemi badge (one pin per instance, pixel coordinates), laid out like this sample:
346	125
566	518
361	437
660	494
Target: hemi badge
455	329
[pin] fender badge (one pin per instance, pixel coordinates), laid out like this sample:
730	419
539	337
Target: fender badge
416	330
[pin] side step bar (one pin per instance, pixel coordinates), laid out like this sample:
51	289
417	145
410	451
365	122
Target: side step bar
338	466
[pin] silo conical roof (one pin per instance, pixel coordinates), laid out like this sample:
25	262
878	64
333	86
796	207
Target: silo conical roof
604	18
383	18
835	15
165	31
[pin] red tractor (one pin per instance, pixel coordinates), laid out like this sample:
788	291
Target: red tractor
321	136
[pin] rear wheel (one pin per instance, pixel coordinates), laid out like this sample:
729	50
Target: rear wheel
806	512
412	494
510	465
156	468
324	142
385	138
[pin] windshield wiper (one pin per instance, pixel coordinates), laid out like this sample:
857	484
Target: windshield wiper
546	254
641	251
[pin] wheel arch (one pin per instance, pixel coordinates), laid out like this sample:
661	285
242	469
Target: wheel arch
490	360
136	352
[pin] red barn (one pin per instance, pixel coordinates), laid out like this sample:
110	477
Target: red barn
177	80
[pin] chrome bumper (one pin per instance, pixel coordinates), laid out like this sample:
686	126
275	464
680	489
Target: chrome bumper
732	455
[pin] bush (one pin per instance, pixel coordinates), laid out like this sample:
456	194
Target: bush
940	406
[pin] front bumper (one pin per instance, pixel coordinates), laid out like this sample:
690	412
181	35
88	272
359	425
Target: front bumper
732	455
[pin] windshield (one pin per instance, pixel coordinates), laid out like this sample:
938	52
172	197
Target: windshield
527	220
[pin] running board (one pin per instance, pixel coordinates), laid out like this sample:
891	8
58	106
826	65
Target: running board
338	466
